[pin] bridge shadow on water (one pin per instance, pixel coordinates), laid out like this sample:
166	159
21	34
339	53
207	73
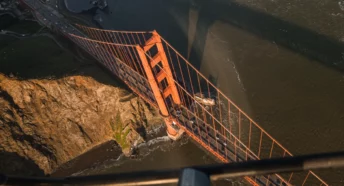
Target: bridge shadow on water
171	20
301	40
173	24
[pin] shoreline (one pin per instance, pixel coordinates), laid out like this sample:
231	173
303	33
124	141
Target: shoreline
101	152
108	153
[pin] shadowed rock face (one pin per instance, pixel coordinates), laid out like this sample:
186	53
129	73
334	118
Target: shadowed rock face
49	122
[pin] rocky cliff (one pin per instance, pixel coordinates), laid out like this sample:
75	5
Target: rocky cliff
45	123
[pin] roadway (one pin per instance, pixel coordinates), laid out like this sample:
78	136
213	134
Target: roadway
137	82
215	142
280	61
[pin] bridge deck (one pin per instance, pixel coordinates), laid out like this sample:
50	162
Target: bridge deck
222	129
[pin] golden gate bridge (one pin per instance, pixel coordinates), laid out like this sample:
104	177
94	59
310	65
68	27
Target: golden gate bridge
187	100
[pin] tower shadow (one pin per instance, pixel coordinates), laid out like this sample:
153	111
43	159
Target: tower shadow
306	42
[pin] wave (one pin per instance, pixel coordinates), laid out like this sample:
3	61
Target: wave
144	149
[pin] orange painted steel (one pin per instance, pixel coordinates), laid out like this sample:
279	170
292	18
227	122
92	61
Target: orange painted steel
263	132
154	80
155	40
223	126
156	91
250	180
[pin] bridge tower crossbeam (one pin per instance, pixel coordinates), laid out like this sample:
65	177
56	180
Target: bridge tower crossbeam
162	82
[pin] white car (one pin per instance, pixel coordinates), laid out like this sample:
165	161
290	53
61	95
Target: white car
204	101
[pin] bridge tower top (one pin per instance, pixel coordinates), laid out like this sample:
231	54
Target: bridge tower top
161	81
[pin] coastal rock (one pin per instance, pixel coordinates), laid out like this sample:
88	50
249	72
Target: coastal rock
45	123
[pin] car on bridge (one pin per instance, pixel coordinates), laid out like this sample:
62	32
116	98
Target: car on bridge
200	98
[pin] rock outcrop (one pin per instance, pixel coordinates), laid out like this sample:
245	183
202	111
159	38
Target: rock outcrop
45	123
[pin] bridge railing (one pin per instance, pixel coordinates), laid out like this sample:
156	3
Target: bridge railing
227	120
207	114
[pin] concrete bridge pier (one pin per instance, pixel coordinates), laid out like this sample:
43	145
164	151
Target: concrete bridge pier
172	129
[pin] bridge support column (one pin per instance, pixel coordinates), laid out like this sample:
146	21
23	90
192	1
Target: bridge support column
160	92
172	130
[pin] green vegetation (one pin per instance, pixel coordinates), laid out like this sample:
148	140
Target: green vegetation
120	132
